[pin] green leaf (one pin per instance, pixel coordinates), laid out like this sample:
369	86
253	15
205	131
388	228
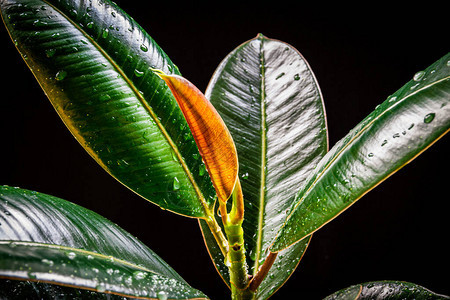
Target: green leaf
93	62
47	239
399	129
385	290
268	97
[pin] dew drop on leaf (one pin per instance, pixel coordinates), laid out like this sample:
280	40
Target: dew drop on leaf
105	33
100	287
47	262
144	48
392	99
280	75
61	75
50	52
418	76
138	73
71	255
139	275
176	184
429	118
162	295
201	170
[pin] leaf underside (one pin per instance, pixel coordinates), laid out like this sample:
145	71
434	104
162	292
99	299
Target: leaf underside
93	62
398	130
210	133
46	239
268	97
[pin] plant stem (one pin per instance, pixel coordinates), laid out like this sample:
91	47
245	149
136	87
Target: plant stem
235	260
263	271
218	234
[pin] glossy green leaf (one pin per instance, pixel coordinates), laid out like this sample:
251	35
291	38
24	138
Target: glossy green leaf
399	129
93	62
268	97
47	239
394	290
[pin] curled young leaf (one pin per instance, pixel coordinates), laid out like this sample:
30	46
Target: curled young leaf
210	133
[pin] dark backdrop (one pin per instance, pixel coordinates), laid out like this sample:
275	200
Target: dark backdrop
360	55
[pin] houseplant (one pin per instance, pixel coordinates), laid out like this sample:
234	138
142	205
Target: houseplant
61	73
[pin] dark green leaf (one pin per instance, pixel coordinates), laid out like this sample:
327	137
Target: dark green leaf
399	129
268	97
47	239
394	290
92	60
15	289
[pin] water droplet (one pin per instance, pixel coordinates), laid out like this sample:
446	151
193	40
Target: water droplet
128	280
418	76
176	184
50	52
39	23
90	25
47	262
71	255
429	118
31	275
100	287
448	63
296	77
227	261
162	295
144	48
139	275
396	135
414	86
280	75
113	14
392	99
370	155
245	176
104	97
201	170
105	33
60	75
138	73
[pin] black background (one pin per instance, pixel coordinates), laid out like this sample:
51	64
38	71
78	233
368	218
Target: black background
359	54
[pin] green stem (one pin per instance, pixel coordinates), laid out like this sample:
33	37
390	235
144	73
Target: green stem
235	260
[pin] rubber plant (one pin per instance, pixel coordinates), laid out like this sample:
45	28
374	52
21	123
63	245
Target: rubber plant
249	159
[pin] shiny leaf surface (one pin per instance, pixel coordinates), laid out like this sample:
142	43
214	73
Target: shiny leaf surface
50	240
268	97
399	129
386	290
93	62
210	133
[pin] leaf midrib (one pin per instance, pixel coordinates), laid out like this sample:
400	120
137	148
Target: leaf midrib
262	193
146	106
